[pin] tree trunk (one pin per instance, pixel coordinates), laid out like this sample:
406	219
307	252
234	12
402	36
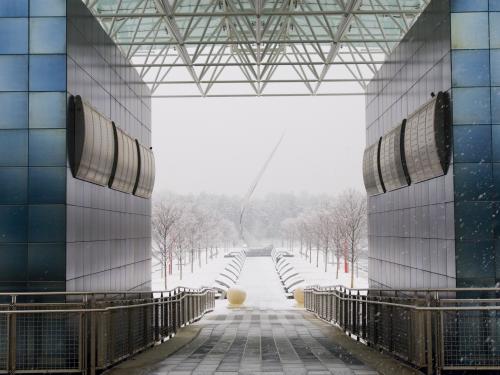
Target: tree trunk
165	272
352	275
326	259
192	259
338	266
180	267
352	266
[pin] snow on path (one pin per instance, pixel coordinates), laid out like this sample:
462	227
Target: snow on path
261	282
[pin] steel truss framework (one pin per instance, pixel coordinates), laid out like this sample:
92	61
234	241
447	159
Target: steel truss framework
185	48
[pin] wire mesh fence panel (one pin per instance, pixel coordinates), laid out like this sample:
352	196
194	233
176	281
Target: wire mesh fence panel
48	341
470	339
401	331
4	341
141	327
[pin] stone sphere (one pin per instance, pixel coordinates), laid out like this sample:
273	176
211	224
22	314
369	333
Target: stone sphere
236	296
298	294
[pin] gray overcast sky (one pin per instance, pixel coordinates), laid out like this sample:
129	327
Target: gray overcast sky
218	145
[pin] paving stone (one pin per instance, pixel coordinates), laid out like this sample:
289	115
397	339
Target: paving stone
255	341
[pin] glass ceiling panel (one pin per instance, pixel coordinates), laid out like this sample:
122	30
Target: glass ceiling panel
202	47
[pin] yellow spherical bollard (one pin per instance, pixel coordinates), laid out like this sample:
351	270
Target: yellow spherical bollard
236	296
298	294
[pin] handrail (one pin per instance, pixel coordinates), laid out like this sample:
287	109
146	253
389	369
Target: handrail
98	332
417	325
492	289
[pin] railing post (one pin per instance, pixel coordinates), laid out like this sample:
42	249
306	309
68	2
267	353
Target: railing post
11	329
355	316
175	312
158	304
93	338
428	336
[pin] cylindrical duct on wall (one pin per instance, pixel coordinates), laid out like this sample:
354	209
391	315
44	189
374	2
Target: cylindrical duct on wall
126	163
426	140
94	145
392	159
146	176
371	170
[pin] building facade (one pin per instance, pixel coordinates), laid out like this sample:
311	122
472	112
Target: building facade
443	231
58	232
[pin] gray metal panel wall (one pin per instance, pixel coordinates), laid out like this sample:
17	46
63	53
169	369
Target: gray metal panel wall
411	230
108	232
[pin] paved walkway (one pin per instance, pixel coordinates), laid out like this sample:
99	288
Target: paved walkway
267	336
262	342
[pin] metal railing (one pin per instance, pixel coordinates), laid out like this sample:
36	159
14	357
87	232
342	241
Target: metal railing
87	332
435	330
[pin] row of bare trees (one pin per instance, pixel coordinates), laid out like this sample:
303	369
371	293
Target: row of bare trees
185	230
334	228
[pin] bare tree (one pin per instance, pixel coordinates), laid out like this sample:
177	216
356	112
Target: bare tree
351	214
165	217
325	230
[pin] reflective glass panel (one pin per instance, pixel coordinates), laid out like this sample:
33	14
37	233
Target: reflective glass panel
472	143
13	73
473	220
47	148
495	105
495	143
14	185
47	184
495	67
470	68
47	110
496	180
469	5
14	262
471	105
48	35
47	8
494	5
47	223
13	35
495	29
46	262
13	148
475	259
469	31
473	181
13	224
47	73
14	110
14	8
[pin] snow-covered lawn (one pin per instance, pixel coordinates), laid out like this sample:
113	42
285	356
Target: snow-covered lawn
204	276
317	276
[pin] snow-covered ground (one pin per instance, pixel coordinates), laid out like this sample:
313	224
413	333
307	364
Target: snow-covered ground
262	285
204	276
317	276
258	272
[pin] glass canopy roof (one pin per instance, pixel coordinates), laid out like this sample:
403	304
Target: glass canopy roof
256	47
